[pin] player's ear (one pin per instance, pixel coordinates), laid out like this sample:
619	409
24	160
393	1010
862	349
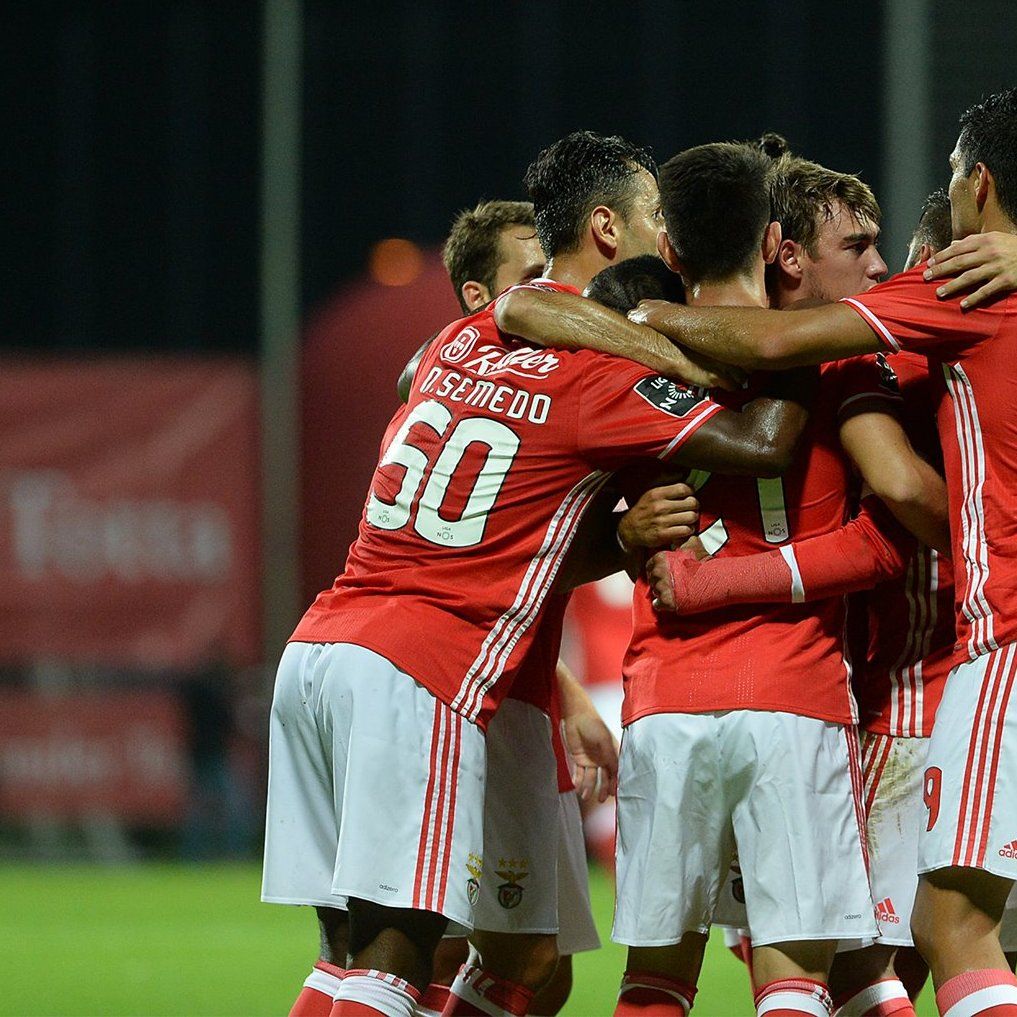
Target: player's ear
925	251
605	225
475	294
788	260
983	183
771	243
667	253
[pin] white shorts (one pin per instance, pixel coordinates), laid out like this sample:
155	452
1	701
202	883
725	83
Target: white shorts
971	777
782	790
375	788
534	881
894	770
577	931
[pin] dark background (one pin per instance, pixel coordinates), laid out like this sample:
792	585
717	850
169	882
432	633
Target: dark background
133	131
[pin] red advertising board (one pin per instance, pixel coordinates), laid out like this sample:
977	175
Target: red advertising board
355	347
88	754
129	531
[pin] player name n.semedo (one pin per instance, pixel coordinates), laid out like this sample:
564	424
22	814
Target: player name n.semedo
475	389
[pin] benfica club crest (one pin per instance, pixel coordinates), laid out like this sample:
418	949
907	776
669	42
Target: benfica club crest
510	893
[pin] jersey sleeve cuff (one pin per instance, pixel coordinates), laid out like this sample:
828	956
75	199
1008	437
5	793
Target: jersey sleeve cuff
873	322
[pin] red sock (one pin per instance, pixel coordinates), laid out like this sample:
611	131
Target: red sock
985	993
880	999
648	995
320	987
794	997
433	1001
745	945
368	993
478	993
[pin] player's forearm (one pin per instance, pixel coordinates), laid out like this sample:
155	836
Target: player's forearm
760	440
574	698
567	321
779	419
757	339
868	550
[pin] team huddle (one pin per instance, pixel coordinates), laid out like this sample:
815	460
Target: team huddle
693	373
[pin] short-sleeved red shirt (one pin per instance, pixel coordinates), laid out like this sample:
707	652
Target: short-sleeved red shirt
911	619
477	497
976	351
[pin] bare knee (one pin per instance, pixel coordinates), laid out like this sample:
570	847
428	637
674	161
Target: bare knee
401	941
956	920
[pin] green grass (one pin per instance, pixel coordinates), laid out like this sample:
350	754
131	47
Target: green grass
171	939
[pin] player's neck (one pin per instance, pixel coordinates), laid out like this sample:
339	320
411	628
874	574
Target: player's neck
738	291
574	269
995	219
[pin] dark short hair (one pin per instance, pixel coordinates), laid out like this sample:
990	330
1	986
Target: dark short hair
989	135
805	194
934	223
473	248
570	178
621	286
716	204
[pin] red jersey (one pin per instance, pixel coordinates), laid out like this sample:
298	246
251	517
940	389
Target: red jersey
974	350
777	657
911	621
477	497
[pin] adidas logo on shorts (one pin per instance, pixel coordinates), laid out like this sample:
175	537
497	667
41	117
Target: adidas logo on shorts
886	913
1010	851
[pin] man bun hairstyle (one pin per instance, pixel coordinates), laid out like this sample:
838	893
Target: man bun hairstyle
773	145
621	286
805	194
716	204
570	178
473	248
989	135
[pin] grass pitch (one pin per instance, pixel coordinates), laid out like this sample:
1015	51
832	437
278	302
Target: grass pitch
194	940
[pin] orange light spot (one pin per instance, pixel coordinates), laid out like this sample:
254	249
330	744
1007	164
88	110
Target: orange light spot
395	262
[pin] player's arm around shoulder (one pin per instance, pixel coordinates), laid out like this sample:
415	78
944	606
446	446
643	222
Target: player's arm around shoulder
757	339
571	322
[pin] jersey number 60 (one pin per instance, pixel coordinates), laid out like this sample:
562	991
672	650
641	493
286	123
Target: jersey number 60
468	530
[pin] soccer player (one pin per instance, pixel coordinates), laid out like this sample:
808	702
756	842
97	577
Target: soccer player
716	724
911	636
967	859
377	754
489	248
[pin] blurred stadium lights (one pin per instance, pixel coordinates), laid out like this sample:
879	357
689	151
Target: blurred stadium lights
395	262
909	164
280	307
